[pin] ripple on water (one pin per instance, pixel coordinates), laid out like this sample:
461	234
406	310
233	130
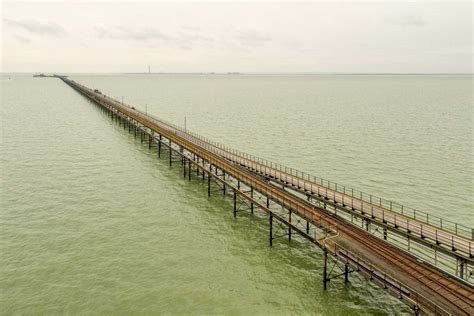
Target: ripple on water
92	222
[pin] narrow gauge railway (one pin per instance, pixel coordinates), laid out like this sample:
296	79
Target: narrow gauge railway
398	271
448	248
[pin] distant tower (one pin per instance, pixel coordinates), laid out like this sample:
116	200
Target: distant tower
149	71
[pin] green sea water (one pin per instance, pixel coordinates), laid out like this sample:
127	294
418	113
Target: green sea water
92	222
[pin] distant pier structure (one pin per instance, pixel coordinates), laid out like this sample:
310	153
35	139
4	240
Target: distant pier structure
425	261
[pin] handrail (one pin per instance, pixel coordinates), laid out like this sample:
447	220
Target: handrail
276	195
433	220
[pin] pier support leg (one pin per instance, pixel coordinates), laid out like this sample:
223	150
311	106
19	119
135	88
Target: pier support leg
235	203
325	269
417	311
171	154
271	230
224	183
385	233
183	163
289	227
209	184
307	227
461	268
159	147
251	203
189	170
346	273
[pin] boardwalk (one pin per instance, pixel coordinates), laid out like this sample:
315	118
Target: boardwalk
456	242
459	244
421	286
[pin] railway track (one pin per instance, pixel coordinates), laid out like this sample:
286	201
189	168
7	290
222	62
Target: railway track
455	297
445	288
438	239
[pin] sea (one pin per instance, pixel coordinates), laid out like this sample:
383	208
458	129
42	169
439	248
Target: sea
92	222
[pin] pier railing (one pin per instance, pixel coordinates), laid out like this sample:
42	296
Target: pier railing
193	145
430	219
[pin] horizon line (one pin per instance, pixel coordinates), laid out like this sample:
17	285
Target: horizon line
247	73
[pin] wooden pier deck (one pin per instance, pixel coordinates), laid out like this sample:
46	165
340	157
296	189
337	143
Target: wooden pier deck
422	286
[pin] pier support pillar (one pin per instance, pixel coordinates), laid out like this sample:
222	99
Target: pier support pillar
159	147
183	163
289	227
271	230
235	203
325	269
189	169
171	154
251	203
209	184
223	191
461	268
346	273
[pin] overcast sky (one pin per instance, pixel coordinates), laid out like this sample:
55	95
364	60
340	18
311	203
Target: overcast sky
376	36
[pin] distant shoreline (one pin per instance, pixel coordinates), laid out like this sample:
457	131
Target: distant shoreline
298	73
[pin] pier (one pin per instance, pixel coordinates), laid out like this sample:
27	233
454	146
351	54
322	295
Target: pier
425	261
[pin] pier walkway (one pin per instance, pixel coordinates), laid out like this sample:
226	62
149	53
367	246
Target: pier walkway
319	213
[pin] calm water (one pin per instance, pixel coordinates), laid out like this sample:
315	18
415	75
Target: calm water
92	222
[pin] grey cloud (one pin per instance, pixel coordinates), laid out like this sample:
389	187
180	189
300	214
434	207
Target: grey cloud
412	20
195	38
22	39
184	39
251	38
35	27
190	28
123	33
